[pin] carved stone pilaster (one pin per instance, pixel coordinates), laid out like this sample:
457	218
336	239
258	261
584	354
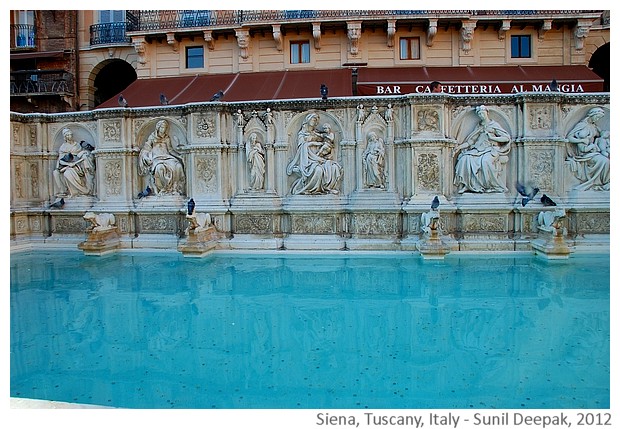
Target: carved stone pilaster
391	32
467	34
354	32
277	36
243	40
501	34
208	36
316	34
546	26
431	31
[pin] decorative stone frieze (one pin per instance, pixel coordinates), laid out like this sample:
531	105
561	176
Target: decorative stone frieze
253	224
311	174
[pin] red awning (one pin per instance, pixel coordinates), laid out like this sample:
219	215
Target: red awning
277	85
477	80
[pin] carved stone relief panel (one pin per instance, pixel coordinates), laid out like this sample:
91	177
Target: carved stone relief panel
34	180
160	223
35	224
21	225
206	174
205	126
428	120
122	222
540	117
113	174
541	163
253	224
313	224
593	223
17	141
111	131
484	222
375	224
69	224
428	172
18	167
32	134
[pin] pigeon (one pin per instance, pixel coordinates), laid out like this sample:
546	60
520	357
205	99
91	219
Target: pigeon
58	204
528	193
122	101
148	191
324	91
554	85
435	203
67	158
190	206
163	99
217	96
87	146
546	201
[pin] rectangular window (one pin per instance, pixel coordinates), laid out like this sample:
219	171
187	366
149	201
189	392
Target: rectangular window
194	57
300	52
409	48
24	30
520	46
106	16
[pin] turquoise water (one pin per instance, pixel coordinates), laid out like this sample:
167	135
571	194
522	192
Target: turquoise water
314	330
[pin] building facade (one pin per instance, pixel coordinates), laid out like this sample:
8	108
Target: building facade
44	61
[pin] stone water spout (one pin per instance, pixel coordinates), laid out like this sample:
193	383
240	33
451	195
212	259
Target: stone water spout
551	241
431	245
102	232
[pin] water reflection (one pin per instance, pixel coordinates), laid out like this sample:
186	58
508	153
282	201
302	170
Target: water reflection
155	330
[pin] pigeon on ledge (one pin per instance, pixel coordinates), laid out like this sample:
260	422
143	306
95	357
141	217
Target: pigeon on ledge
527	192
87	146
148	191
435	203
58	204
217	96
122	101
324	91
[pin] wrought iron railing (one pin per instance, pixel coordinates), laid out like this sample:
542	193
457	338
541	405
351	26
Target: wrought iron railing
23	36
149	20
41	82
109	32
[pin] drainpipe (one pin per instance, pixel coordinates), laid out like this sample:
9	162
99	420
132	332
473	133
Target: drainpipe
76	80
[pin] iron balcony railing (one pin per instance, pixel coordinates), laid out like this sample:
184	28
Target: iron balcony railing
23	36
109	32
150	20
41	82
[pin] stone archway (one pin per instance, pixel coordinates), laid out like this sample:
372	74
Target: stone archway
112	77
599	63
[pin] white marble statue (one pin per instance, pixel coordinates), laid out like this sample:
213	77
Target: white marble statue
317	174
482	157
160	161
552	221
373	162
429	221
255	154
74	174
588	152
101	221
199	222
